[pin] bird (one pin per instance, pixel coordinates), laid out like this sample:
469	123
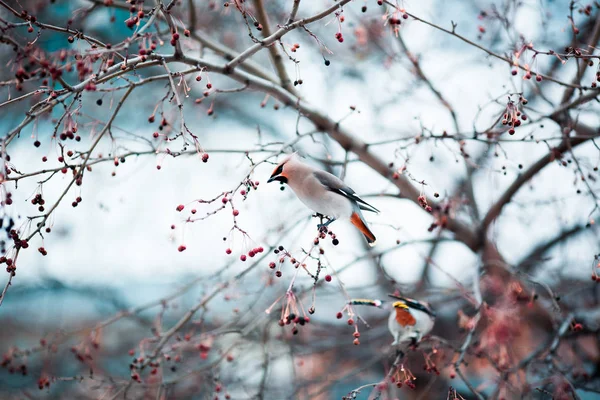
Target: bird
409	320
324	193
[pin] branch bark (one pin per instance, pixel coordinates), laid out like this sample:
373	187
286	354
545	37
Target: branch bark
274	53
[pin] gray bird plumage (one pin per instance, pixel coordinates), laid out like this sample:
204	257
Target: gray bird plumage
324	193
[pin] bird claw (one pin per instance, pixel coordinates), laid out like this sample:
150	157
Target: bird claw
399	354
414	343
324	227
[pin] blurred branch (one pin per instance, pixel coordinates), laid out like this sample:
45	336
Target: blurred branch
67	30
584	133
528	263
205	40
488	51
76	178
172	28
166	336
249	52
594	37
421	75
475	322
294	12
276	58
265	366
193	18
548	348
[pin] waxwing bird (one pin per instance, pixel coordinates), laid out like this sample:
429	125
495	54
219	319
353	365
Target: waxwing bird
409	320
324	193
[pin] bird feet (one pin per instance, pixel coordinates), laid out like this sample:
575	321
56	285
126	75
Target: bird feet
322	227
399	354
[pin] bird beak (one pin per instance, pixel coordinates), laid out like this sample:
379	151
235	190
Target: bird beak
281	178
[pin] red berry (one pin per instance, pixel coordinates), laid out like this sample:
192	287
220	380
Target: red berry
228	251
243	257
180	207
339	315
328	278
181	248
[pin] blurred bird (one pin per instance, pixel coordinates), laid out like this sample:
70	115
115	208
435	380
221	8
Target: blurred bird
409	321
324	193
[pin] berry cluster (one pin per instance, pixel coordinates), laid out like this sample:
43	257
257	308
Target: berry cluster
512	115
422	200
38	200
294	319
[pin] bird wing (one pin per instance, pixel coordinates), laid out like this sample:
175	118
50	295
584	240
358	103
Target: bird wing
335	184
403	315
414	304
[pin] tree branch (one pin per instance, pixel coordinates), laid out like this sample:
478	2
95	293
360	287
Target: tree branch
276	58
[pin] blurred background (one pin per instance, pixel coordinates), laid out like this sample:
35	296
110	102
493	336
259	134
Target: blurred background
117	291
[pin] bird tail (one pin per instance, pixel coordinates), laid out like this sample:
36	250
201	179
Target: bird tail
358	221
365	302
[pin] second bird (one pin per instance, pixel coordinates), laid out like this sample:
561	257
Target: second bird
324	193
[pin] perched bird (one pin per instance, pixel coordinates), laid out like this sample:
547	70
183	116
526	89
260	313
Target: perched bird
324	193
409	321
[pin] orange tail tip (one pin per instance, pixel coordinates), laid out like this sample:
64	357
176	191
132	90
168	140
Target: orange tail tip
360	224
